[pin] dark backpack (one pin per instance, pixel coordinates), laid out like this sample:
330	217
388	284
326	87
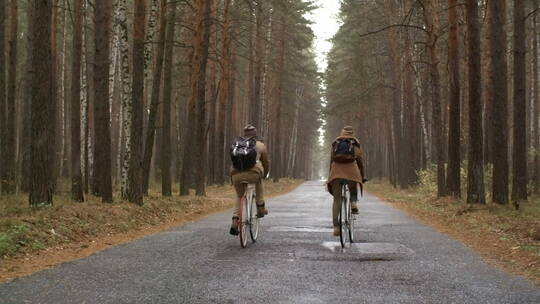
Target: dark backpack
343	150
243	153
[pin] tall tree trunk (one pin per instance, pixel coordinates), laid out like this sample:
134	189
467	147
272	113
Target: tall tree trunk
76	174
88	84
395	124
135	194
3	105
264	100
90	58
277	142
56	142
258	62
211	99
154	100
224	94
432	23
408	146
475	168
453	182
536	112
9	169
102	147
205	23
166	182
519	155
498	85
250	105
42	112
64	118
122	28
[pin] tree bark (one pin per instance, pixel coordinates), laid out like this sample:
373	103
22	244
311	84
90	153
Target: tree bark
76	174
3	104
154	100
166	182
41	100
519	155
206	22
453	182
127	102
432	24
102	147
277	142
536	112
224	94
258	63
498	85
9	184
135	194
475	168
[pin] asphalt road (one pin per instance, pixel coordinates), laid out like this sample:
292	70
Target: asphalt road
296	260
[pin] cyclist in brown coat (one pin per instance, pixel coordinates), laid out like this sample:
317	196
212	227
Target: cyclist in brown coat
253	175
345	167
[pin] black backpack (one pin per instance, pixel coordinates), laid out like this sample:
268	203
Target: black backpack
343	150
243	153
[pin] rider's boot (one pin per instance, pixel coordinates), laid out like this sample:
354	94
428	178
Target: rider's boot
234	226
336	231
354	207
261	210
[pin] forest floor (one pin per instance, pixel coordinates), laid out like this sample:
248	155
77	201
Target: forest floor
32	239
502	235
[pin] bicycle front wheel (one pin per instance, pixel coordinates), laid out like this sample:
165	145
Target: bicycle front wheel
243	222
254	221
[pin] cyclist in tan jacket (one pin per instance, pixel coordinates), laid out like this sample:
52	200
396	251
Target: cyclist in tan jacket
346	163
253	175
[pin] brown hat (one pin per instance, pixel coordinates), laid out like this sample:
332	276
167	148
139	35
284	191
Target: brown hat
250	130
347	131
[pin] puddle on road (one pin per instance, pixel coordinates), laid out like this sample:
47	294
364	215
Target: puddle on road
322	229
369	251
299	229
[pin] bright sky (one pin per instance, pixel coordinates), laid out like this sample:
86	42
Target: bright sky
325	26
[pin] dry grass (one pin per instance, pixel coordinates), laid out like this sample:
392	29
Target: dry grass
501	234
25	230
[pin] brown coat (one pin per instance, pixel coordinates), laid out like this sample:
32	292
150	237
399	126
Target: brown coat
263	163
352	171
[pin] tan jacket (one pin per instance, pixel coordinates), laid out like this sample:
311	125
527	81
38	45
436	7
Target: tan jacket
263	163
352	171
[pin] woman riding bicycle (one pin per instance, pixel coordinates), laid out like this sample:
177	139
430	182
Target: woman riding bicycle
345	165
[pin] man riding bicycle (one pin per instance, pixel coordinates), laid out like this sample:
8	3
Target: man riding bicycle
248	169
345	164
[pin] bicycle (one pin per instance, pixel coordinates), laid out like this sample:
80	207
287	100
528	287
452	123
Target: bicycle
248	218
345	217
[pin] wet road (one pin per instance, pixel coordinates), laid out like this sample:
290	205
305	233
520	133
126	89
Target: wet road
296	260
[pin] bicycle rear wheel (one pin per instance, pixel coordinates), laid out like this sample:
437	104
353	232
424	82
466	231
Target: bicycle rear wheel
350	223
243	222
254	220
341	220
